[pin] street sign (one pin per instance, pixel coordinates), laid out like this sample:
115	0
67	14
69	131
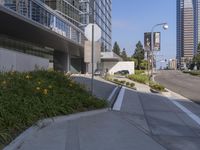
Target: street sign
97	32
147	41
157	41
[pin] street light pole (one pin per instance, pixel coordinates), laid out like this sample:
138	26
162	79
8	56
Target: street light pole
93	34
92	80
165	27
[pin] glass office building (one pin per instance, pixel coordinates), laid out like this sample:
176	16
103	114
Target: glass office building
101	16
53	20
31	28
67	8
188	27
80	13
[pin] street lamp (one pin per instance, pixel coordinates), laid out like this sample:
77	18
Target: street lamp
165	27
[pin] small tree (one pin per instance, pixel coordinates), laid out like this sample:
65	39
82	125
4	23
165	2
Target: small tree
144	65
124	55
198	49
116	49
135	61
196	60
139	54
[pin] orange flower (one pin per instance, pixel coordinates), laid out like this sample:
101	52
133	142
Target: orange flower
45	92
27	77
4	82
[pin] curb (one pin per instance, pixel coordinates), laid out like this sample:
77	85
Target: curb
17	142
114	99
155	91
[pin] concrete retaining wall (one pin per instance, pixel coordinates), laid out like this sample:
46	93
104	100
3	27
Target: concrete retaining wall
16	61
123	66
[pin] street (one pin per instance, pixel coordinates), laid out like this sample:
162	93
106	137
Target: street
184	84
138	120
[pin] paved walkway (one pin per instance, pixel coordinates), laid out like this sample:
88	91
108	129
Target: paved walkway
105	131
143	121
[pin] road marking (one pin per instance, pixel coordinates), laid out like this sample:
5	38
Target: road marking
118	103
112	94
188	112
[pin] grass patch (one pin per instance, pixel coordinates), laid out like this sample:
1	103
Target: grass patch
141	78
26	98
138	72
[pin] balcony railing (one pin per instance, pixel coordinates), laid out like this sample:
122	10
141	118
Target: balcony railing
39	12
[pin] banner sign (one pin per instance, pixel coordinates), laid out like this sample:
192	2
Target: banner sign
147	41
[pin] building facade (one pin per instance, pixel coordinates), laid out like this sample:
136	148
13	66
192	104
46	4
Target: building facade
67	8
31	29
99	12
53	29
83	12
188	30
172	64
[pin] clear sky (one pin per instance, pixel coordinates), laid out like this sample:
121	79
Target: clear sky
131	18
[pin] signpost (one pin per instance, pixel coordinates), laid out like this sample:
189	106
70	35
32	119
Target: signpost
93	34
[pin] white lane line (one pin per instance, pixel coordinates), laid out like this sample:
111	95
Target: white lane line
188	112
112	94
118	103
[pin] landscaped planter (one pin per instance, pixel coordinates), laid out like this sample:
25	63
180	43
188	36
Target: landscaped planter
155	91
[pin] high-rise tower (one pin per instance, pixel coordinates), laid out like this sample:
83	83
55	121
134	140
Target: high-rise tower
188	34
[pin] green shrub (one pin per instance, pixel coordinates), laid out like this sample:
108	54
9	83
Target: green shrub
116	80
139	78
138	72
157	86
186	71
26	98
132	84
122	82
127	83
195	73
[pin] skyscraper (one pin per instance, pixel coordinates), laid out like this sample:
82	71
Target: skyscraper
188	34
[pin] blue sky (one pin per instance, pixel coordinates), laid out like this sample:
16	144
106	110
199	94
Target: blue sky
131	18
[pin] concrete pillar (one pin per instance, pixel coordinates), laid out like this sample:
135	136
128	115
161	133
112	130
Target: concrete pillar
61	61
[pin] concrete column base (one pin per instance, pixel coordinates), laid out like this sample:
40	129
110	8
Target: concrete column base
61	62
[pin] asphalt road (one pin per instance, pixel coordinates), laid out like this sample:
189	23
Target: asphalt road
183	84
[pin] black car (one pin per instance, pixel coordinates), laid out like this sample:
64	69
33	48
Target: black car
122	72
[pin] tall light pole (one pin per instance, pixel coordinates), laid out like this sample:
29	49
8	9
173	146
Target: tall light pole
93	34
165	27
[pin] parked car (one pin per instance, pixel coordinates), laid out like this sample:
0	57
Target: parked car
122	72
97	73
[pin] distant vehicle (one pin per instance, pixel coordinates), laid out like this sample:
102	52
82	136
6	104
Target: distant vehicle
122	72
97	73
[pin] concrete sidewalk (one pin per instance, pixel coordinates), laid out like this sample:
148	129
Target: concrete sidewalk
105	131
